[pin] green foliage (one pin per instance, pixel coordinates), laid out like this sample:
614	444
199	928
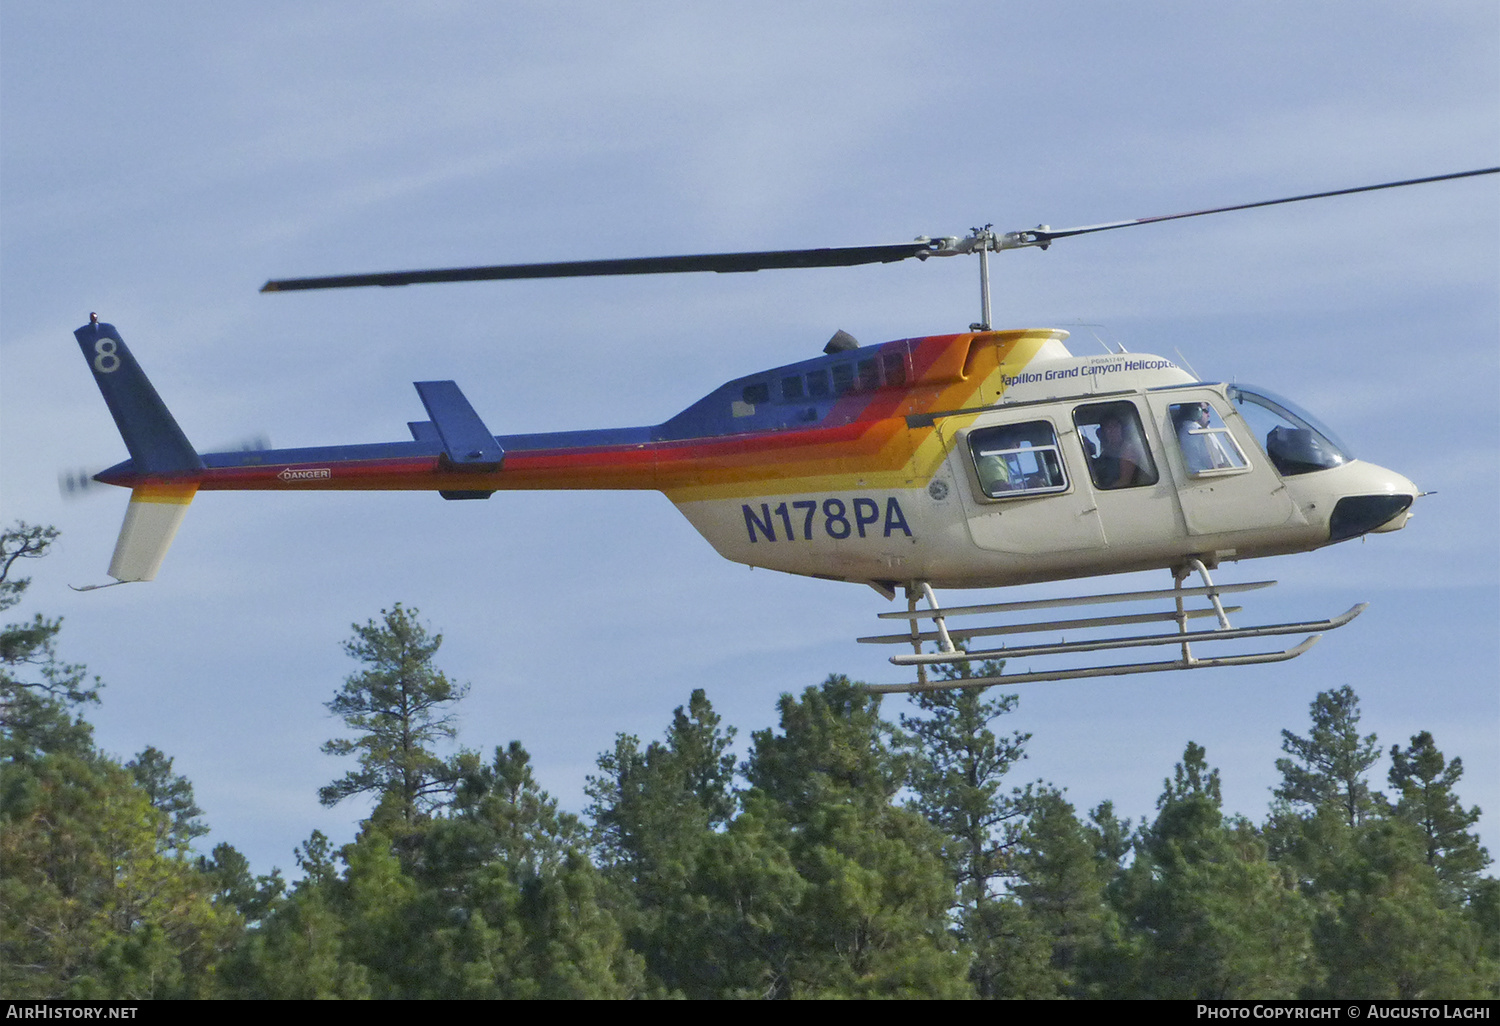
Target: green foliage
1061	868
511	867
1328	766
95	905
38	692
655	811
468	880
1205	914
646	801
871	918
501	814
228	872
1424	781
1386	929
958	772
832	747
170	795
298	951
395	706
957	777
98	895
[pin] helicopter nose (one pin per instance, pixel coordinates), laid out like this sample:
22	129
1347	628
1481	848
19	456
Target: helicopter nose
1383	504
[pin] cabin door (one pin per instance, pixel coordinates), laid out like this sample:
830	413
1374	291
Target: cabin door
1224	482
1020	486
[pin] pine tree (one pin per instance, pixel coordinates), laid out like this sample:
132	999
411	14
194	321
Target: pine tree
171	795
39	693
99	896
1329	765
396	707
1205	914
871	919
300	949
234	886
509	868
500	814
1062	868
644	799
958	775
94	904
1424	781
1386	928
654	811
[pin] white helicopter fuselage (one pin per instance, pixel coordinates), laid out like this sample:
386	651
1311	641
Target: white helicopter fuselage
1054	517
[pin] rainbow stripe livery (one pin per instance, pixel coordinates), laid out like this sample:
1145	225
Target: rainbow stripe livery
867	464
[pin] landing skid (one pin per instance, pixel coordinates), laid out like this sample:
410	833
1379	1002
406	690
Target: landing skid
950	654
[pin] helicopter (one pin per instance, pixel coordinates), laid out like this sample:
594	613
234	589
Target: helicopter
979	459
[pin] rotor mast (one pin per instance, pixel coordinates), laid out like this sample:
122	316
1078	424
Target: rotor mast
985	241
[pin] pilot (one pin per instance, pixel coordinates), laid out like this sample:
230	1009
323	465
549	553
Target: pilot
1122	460
1202	449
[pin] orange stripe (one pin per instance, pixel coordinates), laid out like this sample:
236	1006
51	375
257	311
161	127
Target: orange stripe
168	492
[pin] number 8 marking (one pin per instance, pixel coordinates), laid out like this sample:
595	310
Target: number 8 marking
105	359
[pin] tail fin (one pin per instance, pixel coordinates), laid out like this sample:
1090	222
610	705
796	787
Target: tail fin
157	445
159	453
151	522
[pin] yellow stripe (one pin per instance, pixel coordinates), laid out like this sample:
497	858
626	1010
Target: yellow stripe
905	458
175	494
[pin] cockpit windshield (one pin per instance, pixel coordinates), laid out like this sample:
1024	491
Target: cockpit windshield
1293	440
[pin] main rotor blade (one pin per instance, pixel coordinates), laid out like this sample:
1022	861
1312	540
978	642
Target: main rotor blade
842	256
1045	236
845	256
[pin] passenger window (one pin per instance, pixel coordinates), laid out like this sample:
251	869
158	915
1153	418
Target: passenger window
1017	459
1207	446
758	393
1116	446
895	368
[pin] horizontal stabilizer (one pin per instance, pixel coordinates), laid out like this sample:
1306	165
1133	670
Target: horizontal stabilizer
466	441
151	522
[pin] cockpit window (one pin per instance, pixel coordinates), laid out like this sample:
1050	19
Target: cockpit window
1208	449
1294	442
1017	459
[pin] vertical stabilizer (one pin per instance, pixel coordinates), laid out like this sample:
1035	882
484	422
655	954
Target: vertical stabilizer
151	522
164	469
157	445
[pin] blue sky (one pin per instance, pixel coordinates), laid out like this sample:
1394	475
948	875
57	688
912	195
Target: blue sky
159	161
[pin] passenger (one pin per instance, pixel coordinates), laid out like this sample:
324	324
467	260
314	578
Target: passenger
994	473
1122	461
